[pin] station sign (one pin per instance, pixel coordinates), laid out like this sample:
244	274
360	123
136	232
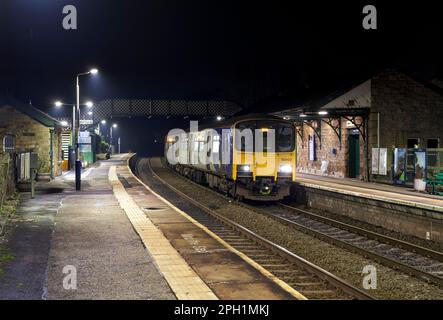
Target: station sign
85	148
84	137
84	140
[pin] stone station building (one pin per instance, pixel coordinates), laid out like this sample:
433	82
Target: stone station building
360	130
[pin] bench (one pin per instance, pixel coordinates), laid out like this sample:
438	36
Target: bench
437	181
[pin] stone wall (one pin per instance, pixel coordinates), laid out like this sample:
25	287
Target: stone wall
408	109
31	136
7	181
408	220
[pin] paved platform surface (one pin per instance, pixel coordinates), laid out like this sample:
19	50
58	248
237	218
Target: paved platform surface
386	193
62	229
28	239
225	272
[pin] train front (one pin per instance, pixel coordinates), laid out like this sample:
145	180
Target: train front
264	158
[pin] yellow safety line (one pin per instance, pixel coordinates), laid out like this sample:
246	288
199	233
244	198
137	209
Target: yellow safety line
184	282
254	264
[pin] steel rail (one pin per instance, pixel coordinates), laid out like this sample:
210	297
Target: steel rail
367	233
382	238
353	248
381	259
283	252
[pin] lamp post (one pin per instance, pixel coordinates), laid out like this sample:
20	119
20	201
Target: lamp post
76	128
111	139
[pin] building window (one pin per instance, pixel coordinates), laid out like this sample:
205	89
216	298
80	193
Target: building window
9	143
432	143
413	143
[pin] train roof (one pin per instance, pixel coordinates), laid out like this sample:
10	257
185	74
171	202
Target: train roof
231	121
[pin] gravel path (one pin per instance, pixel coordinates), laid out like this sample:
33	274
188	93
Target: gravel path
390	283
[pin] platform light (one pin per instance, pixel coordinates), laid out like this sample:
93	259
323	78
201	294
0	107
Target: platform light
89	104
93	71
114	125
58	104
64	123
303	115
322	113
103	122
286	168
285	118
90	113
219	118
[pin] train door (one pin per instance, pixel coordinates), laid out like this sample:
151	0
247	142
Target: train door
354	154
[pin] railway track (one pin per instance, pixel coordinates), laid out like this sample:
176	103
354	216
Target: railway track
310	280
418	261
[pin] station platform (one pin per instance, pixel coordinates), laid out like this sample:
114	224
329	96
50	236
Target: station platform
194	261
67	244
386	193
117	239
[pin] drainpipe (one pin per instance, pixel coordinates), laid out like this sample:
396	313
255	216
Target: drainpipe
378	129
51	152
367	149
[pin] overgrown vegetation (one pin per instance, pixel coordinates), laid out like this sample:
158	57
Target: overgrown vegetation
9	207
7	211
5	257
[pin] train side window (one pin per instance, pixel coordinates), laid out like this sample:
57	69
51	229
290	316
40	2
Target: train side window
285	138
244	130
216	144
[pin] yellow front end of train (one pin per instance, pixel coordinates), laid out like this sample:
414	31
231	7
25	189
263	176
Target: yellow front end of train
266	172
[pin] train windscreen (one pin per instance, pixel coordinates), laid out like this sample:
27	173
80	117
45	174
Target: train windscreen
284	135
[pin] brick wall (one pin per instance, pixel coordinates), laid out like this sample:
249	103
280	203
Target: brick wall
338	162
407	109
31	136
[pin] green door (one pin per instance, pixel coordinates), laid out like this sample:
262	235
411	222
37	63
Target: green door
354	155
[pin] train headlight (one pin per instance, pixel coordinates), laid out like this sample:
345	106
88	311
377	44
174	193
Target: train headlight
244	168
286	168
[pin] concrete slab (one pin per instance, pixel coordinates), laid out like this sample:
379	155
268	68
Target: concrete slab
28	239
184	282
255	290
93	235
177	230
225	272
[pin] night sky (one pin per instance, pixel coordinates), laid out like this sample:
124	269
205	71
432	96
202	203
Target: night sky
250	54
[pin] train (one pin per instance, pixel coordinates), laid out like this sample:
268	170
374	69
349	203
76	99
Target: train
249	157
